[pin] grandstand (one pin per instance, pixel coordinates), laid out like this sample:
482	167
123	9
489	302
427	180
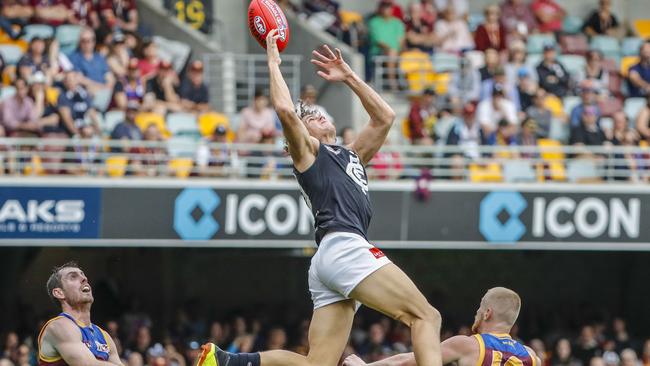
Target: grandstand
138	138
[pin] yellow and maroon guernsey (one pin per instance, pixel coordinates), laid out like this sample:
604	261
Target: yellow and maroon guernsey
502	350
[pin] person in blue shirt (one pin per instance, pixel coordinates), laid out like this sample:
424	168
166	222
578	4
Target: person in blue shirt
92	65
588	95
639	74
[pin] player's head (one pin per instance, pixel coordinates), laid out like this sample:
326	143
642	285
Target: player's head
69	285
499	309
317	124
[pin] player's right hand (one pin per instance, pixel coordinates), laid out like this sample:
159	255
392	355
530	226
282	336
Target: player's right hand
272	51
353	360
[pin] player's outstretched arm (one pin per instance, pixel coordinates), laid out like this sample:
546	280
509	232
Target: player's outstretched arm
373	135
302	147
65	338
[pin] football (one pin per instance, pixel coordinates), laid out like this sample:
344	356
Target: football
263	17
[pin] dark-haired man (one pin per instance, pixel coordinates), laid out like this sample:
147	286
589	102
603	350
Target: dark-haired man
70	339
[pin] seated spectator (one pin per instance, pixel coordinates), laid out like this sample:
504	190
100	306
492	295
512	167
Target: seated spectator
396	10
540	114
499	77
119	14
601	21
419	34
618	134
528	136
51	12
588	96
211	161
492	110
587	345
526	90
44	109
518	19
643	121
127	129
146	164
324	14
35	59
588	132
553	77
387	34
83	157
309	96
461	7
422	118
376	346
505	135
467	134
133	88
265	163
149	60
84	13
639	74
119	55
595	72
453	32
92	66
517	62
491	34
255	119
163	87
193	91
549	15
492	62
348	135
75	106
18	117
465	85
17	12
563	356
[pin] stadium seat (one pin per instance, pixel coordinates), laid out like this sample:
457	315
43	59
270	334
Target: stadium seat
642	27
559	130
632	107
102	99
11	53
111	119
554	104
32	31
571	24
574	44
616	84
180	167
485	173
536	42
349	18
551	152
609	46
208	122
445	62
631	46
116	166
606	123
476	58
582	171
7	92
182	124
68	37
143	120
534	60
182	146
52	95
626	63
570	102
415	61
610	106
35	166
518	171
610	64
474	20
574	64
406	130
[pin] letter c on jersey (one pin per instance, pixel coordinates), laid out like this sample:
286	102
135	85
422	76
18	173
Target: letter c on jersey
490	226
186	202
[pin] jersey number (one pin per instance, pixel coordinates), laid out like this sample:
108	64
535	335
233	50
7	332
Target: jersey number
497	360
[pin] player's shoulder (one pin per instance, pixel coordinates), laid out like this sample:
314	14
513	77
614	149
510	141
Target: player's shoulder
463	342
60	328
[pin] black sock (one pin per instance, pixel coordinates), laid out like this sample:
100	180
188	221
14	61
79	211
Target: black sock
244	359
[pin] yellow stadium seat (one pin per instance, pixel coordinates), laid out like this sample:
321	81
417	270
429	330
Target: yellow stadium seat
181	167
406	130
52	95
350	17
411	61
551	152
35	166
642	27
485	173
441	83
208	122
143	120
627	62
21	43
419	80
554	104
116	166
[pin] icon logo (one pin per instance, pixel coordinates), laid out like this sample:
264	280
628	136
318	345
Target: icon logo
493	207
202	201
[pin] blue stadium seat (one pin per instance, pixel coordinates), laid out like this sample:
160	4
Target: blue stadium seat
474	20
182	146
445	62
518	171
102	99
574	64
32	31
533	60
570	102
582	170
571	24
112	118
632	107
631	46
182	124
68	37
7	92
11	53
536	42
609	46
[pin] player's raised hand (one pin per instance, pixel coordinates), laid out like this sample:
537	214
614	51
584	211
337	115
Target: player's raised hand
272	51
353	360
331	66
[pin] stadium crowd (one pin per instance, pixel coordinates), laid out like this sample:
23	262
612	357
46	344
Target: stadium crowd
594	344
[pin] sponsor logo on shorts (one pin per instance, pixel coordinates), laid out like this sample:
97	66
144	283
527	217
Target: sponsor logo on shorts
259	25
377	253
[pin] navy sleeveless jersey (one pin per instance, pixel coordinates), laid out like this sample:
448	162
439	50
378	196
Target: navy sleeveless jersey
335	187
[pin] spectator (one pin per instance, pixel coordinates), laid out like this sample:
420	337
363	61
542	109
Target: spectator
18	117
465	84
629	358
133	88
348	136
517	19
528	135
422	118
75	105
553	77
597	361
419	34
386	164
588	132
646	353
127	129
499	77
387	34
84	157
540	114
17	12
84	13
621	336
324	14
146	164
396	10
51	12
309	96
492	110
601	21
587	346
517	62
255	119
620	127
120	14
468	135
46	112
549	15
595	72
243	341
149	60
266	163
526	90
376	347
35	59
540	349
92	65
639	74
492	62
453	32
461	7
588	96
505	135
10	344
193	90
119	55
563	356
491	34
277	339
163	87
211	162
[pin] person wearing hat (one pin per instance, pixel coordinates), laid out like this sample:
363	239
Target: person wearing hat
133	88
494	109
119	55
193	91
163	87
588	95
387	35
588	132
211	160
553	77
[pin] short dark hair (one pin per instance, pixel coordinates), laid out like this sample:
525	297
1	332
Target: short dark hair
55	279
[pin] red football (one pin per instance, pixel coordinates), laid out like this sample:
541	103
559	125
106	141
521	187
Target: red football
263	17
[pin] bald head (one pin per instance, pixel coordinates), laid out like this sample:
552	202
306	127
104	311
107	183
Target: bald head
505	304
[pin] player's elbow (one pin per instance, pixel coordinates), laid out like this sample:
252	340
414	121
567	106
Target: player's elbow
387	117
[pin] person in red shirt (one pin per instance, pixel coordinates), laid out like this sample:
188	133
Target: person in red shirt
491	34
386	164
149	61
120	14
422	111
51	12
549	15
83	13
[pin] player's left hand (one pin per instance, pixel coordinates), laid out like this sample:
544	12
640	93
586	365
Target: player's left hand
353	360
332	66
